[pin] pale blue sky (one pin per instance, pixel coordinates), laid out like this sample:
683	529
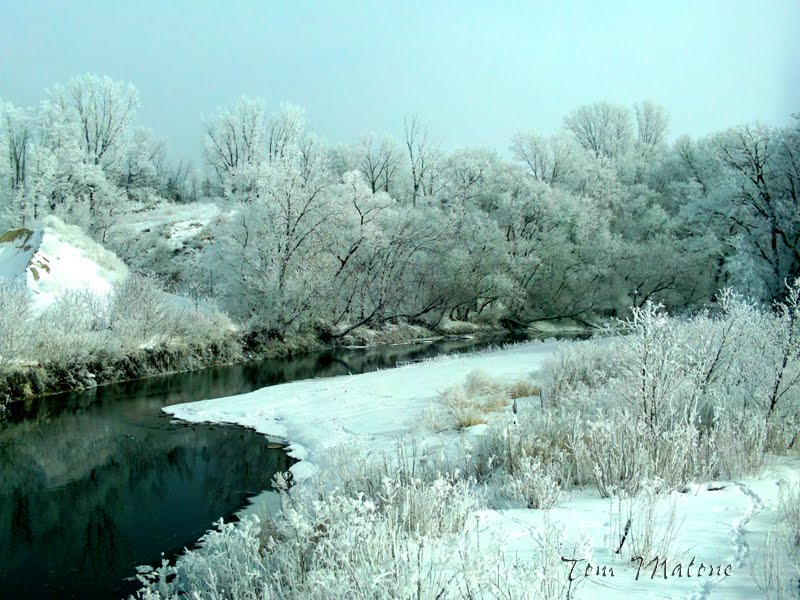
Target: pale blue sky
476	72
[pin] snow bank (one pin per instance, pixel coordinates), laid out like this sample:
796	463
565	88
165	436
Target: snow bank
372	409
58	257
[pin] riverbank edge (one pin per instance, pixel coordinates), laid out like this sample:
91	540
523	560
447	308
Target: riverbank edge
29	382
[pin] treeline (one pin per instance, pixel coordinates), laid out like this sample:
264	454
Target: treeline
601	216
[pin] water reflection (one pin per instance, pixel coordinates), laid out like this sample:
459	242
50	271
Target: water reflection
94	483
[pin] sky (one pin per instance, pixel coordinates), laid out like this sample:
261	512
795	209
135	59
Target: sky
474	72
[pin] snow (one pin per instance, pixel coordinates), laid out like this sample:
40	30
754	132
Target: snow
373	409
724	523
58	257
17	247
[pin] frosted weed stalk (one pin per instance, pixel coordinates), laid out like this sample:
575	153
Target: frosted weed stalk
775	572
643	525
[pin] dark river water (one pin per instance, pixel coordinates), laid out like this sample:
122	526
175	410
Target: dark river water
93	484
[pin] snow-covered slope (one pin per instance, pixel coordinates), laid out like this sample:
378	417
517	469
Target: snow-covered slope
57	257
167	240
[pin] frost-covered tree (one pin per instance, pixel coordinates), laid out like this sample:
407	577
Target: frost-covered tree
19	129
425	161
234	143
652	121
471	179
74	160
550	160
475	269
285	129
557	244
602	129
278	238
752	199
379	161
400	269
143	172
99	112
16	138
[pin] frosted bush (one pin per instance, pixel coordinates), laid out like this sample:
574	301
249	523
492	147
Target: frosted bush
415	488
534	483
140	313
576	368
73	328
412	540
783	397
201	324
15	321
549	437
740	439
650	364
616	450
673	399
230	565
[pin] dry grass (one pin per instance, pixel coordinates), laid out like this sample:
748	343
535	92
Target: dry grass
469	420
479	383
523	389
470	403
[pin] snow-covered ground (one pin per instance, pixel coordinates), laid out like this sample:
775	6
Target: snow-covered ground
58	257
723	524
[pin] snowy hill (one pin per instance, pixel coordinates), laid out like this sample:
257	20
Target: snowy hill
57	257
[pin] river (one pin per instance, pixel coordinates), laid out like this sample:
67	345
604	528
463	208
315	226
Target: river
94	483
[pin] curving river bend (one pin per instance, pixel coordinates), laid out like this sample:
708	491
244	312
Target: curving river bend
94	483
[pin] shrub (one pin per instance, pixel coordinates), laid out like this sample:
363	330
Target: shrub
409	537
73	328
669	399
140	313
534	483
15	321
575	368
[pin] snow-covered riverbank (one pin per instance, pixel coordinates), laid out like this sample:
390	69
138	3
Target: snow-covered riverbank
713	535
367	412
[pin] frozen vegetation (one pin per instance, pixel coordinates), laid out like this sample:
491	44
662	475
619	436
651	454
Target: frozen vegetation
664	456
299	242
